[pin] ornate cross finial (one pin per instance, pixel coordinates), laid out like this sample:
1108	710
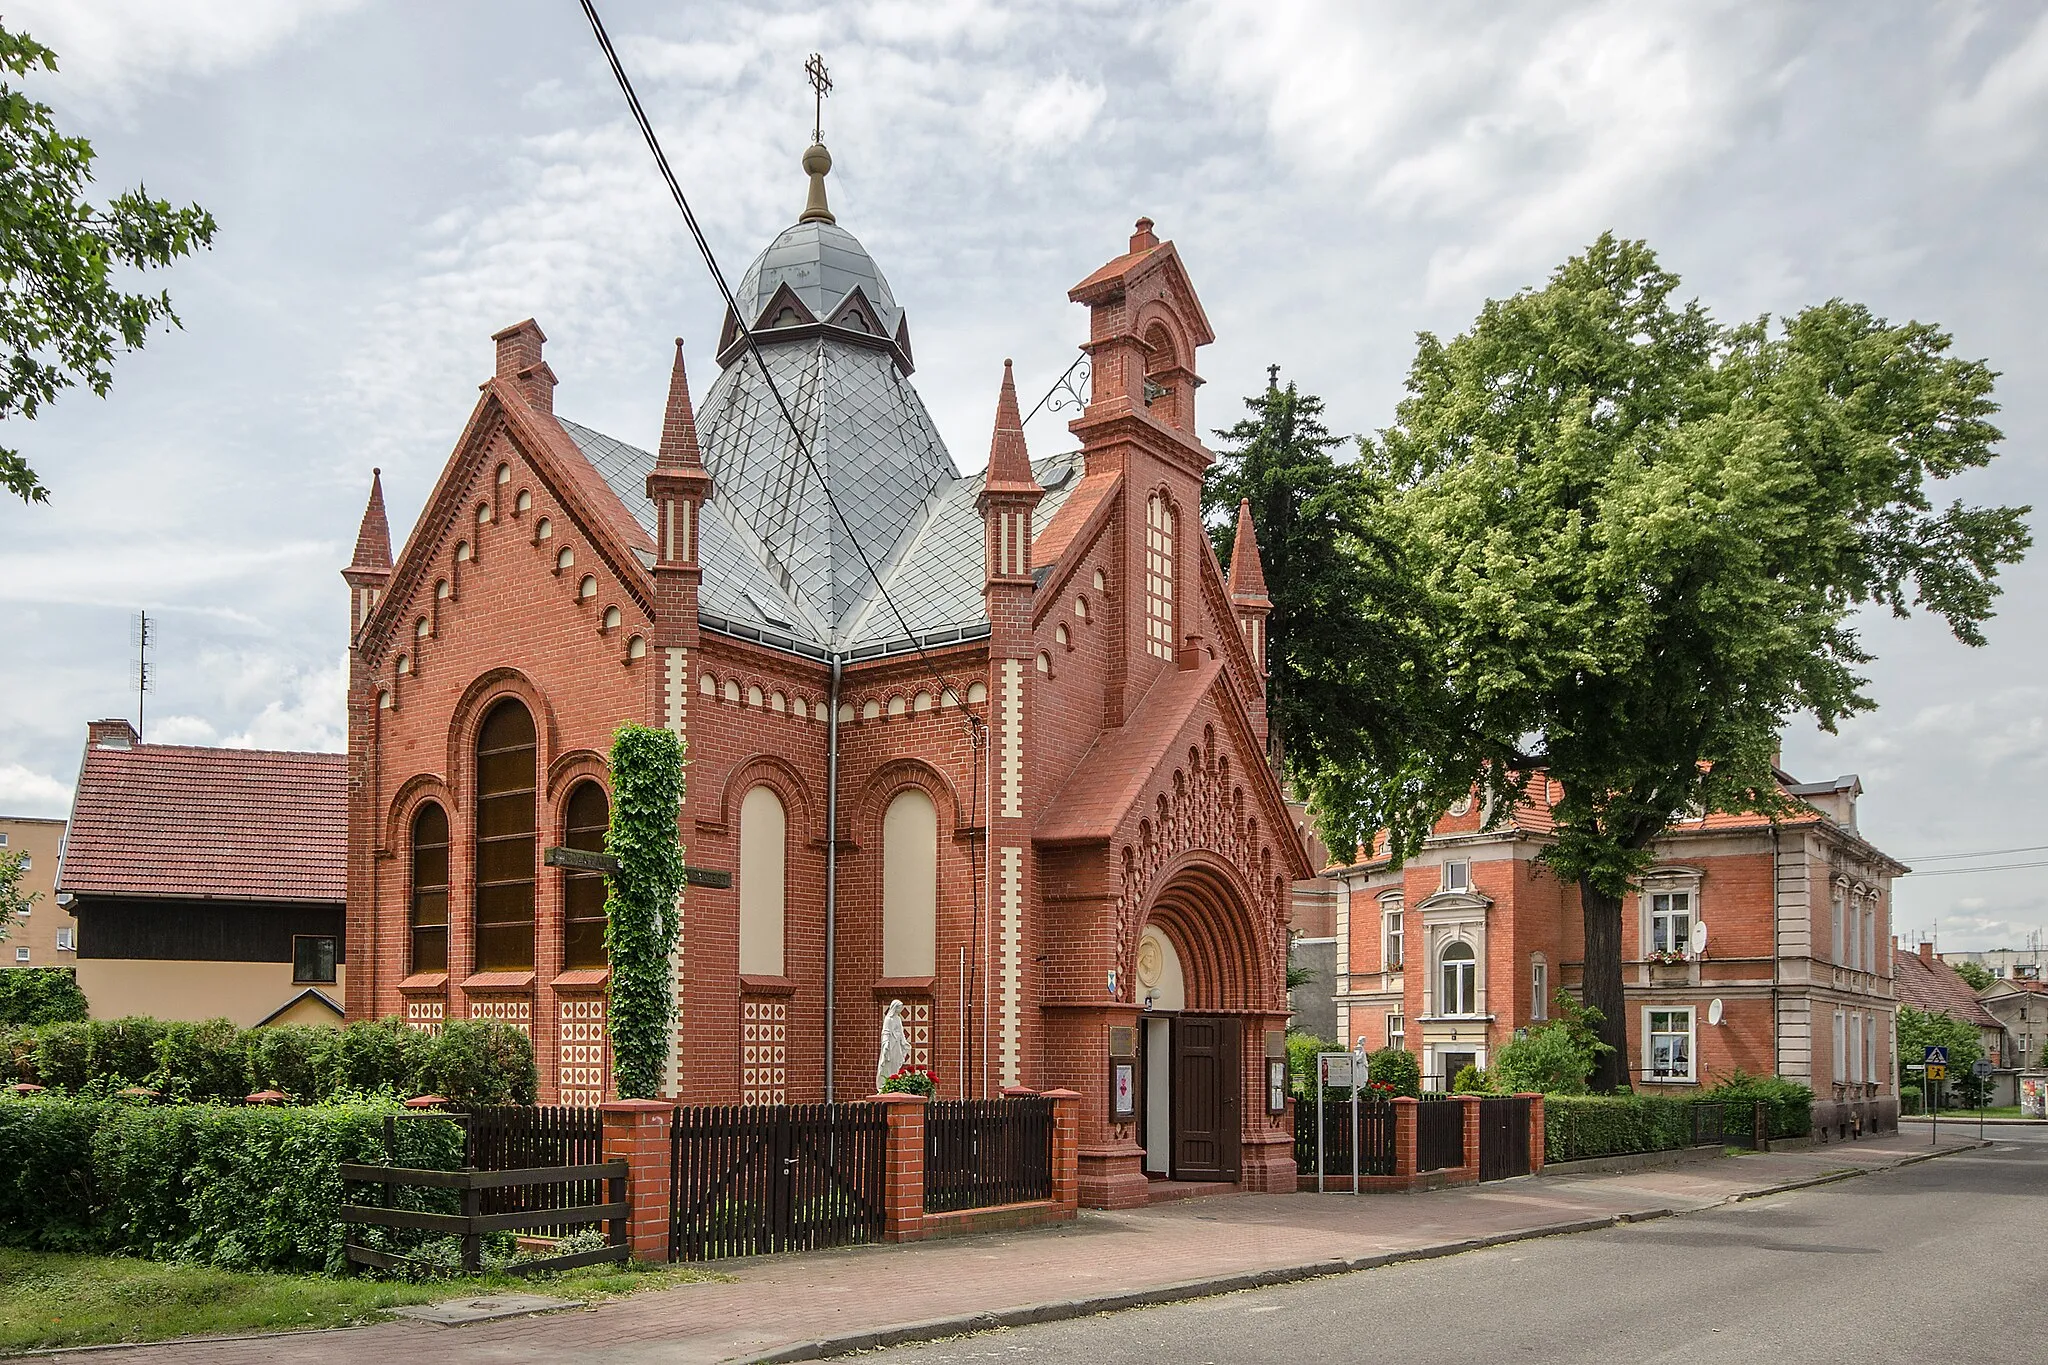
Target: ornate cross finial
821	86
1272	376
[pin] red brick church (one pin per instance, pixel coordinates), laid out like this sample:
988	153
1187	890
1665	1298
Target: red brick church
1016	783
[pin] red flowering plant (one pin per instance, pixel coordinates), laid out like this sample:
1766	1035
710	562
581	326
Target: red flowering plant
911	1079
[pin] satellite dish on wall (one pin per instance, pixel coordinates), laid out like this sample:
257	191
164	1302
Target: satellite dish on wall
1699	937
1714	1010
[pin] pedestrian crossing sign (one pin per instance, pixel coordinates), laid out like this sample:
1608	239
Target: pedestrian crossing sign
1936	1055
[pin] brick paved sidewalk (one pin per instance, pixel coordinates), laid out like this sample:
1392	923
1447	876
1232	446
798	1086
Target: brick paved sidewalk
777	1304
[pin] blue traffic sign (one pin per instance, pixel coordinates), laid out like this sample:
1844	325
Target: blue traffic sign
1936	1056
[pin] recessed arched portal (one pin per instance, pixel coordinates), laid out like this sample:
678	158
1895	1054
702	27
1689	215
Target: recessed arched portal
1198	968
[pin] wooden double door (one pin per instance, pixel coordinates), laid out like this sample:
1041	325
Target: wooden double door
1206	1102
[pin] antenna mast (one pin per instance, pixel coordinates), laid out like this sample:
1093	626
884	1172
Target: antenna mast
145	680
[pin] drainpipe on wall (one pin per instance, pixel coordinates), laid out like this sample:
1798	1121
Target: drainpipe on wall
832	877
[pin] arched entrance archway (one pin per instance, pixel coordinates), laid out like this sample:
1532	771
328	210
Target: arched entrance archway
1203	983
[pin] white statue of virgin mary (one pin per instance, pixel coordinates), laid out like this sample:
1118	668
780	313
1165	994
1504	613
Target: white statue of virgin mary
895	1047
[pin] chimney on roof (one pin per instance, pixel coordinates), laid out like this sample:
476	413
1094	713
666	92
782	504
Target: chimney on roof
115	733
1927	950
520	364
1142	237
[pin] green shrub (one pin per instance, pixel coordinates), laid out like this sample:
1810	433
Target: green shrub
40	995
204	1062
1579	1126
17	1055
476	1061
1398	1068
1909	1099
1789	1104
295	1059
237	1187
122	1052
378	1054
1470	1080
62	1057
1301	1060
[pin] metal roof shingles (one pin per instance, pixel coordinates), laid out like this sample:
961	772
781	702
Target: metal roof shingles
229	824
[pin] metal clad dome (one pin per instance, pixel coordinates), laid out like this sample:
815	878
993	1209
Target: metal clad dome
821	263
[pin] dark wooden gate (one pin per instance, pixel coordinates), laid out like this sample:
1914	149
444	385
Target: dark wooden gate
746	1181
1205	1097
1503	1137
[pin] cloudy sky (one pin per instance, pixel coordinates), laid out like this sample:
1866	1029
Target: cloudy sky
394	181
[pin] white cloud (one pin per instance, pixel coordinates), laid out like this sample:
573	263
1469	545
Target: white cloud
1043	117
113	49
1997	119
26	792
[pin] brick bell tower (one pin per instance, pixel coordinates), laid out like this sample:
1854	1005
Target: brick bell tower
1009	496
679	486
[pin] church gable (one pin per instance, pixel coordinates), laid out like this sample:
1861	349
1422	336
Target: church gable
507	505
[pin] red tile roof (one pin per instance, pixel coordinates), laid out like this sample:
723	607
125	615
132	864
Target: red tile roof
236	824
1934	988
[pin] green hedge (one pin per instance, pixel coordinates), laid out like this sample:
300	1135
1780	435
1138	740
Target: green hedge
1579	1126
469	1061
1788	1105
243	1188
40	995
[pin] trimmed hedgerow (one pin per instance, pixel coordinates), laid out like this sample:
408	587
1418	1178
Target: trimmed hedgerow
1398	1068
243	1188
469	1062
1578	1126
1788	1105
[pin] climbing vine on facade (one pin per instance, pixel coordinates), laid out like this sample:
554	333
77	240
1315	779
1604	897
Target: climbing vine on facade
642	913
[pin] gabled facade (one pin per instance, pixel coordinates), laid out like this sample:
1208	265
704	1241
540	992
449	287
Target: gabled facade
990	745
1792	976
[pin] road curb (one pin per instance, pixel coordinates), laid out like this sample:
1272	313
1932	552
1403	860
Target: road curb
1063	1310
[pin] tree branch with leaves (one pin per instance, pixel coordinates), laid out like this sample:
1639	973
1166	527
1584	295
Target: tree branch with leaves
62	315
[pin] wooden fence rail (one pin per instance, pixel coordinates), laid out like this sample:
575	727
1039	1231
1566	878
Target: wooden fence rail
472	1223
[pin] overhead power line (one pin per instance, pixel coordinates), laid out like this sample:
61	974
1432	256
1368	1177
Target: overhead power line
1986	853
803	446
1962	871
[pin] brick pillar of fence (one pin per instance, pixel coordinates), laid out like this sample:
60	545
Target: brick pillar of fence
640	1133
1404	1136
1535	1131
1470	1170
1066	1149
903	1176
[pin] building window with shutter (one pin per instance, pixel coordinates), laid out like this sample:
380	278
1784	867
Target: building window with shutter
583	827
430	889
507	772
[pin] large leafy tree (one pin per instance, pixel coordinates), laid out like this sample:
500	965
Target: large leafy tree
62	316
1340	600
1641	536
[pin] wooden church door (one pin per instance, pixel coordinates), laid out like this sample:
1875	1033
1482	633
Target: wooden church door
1205	1097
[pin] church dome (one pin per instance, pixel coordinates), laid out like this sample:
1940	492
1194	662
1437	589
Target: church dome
822	264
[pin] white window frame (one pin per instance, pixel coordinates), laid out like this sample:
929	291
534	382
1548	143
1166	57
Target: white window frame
1467	969
1159	566
1667	912
1651	1034
1869	1049
1841	1046
21	954
1838	904
1397	1029
1870	933
1855	1048
1539	988
1461	880
64	939
1393	934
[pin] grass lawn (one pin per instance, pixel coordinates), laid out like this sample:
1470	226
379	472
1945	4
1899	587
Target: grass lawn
52	1300
1996	1111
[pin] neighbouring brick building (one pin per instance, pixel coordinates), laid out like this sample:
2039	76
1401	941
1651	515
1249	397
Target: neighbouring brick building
1451	954
207	883
1019	787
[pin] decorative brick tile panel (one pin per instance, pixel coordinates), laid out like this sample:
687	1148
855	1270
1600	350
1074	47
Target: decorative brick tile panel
764	1052
582	1066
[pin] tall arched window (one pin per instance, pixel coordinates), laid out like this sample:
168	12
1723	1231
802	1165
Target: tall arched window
506	767
430	889
1460	990
910	886
1159	577
764	842
583	827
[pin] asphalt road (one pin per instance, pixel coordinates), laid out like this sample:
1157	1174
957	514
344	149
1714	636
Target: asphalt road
1933	1262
